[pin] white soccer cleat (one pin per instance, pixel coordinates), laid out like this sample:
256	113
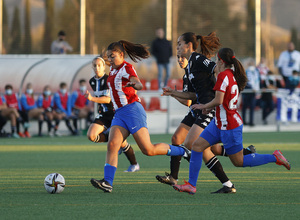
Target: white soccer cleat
133	168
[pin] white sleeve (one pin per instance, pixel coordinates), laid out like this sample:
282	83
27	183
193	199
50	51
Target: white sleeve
280	60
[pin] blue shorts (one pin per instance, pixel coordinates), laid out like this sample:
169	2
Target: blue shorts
132	117
231	139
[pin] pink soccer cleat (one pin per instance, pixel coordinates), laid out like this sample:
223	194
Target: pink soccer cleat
186	187
280	159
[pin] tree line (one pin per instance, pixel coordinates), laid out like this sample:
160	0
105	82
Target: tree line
134	20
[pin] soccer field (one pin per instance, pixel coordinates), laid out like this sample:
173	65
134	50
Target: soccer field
265	192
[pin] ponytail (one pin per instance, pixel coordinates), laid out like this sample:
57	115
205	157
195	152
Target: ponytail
227	56
135	51
209	44
239	74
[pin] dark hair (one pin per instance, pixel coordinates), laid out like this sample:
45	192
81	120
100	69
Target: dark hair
62	84
82	81
135	51
209	44
227	56
8	86
61	33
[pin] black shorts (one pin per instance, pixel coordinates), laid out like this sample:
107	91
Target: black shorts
189	120
203	120
102	119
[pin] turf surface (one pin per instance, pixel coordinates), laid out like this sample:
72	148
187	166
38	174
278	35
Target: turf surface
266	192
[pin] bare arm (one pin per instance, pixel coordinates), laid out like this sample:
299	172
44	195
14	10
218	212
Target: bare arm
100	100
134	83
218	100
167	91
186	102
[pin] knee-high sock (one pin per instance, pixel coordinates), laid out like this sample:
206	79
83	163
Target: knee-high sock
252	160
75	124
109	173
49	124
175	151
174	166
129	153
57	121
216	168
18	127
223	153
40	126
195	166
69	126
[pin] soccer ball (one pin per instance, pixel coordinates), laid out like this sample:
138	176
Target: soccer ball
54	183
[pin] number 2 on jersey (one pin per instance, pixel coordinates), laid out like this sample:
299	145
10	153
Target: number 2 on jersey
233	101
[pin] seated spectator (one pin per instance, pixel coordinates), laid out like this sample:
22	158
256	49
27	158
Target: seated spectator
62	106
9	113
12	101
293	81
2	123
45	101
30	107
80	104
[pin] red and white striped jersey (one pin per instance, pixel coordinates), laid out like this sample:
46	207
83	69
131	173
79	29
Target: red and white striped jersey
117	79
227	116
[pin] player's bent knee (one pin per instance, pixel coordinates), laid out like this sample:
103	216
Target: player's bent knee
176	140
237	163
148	152
92	137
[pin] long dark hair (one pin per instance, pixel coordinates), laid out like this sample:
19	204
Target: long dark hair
208	44
228	57
135	51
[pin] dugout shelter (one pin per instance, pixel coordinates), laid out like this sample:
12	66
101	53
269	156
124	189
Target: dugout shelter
41	70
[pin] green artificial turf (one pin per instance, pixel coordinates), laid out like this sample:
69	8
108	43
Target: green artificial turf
265	192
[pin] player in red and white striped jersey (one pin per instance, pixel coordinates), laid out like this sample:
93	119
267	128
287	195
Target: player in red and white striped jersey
130	116
227	125
226	115
99	129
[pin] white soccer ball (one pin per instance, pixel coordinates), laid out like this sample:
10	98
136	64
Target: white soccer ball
54	183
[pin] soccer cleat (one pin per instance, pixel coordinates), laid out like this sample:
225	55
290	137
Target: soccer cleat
26	133
280	159
21	134
15	135
187	154
167	179
251	148
26	125
133	168
102	184
57	134
51	133
186	187
226	189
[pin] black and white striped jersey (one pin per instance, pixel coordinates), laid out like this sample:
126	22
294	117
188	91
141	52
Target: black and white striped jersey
100	88
201	75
